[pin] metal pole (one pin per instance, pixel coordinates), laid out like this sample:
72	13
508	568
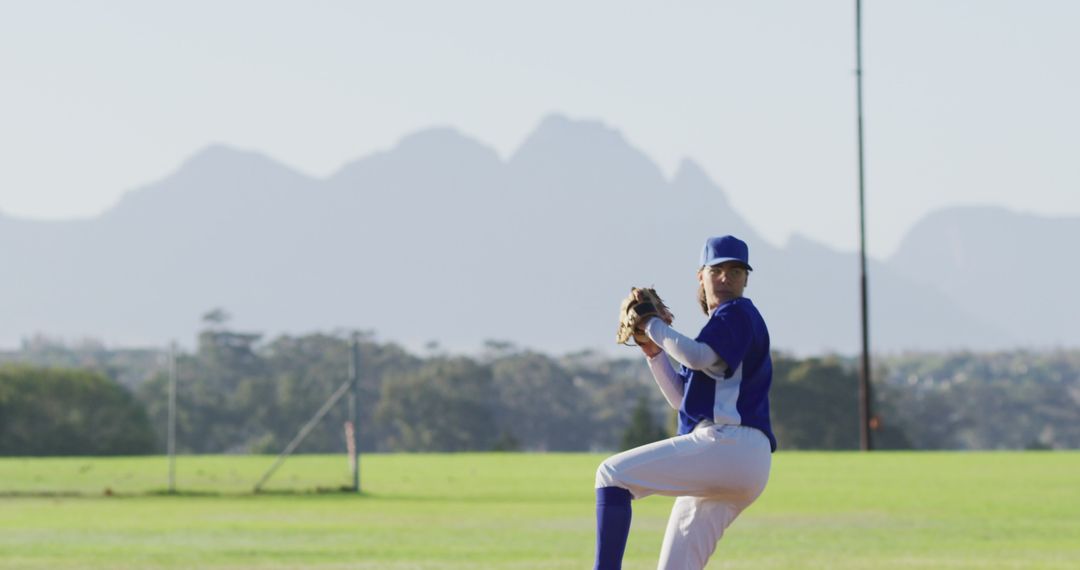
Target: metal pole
354	378
865	442
171	446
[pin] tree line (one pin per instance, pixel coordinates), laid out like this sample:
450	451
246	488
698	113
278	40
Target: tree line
239	394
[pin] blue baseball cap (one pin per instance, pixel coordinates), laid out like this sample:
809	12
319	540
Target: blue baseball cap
725	248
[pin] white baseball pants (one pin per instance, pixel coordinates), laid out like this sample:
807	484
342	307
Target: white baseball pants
716	471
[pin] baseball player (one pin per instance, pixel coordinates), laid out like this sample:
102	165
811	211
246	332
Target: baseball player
719	462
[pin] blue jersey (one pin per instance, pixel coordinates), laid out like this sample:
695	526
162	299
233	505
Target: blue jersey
737	333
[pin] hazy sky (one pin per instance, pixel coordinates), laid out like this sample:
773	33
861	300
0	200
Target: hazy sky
967	102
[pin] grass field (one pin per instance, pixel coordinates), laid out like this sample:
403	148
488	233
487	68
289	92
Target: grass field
821	510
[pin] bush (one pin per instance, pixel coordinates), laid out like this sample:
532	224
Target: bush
46	411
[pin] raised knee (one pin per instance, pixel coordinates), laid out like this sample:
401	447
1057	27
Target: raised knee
605	475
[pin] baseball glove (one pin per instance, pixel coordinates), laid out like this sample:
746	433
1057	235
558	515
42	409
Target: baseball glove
642	304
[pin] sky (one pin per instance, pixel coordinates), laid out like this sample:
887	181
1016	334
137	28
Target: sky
966	102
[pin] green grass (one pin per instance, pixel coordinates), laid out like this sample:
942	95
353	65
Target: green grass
821	510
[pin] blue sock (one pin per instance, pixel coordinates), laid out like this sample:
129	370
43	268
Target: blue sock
612	526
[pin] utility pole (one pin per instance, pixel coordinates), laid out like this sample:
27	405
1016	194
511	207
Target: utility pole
172	418
865	414
354	387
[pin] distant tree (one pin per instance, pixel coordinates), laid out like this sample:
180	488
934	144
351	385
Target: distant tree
444	406
216	317
128	366
814	404
235	395
540	404
958	400
642	428
222	392
306	370
49	411
496	349
611	390
239	394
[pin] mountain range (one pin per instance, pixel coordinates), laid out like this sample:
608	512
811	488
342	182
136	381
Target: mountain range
439	240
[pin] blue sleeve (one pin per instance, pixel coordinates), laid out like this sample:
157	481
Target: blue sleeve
728	333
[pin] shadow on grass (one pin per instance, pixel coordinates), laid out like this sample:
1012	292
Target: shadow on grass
107	492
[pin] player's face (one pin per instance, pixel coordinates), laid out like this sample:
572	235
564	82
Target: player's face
723	282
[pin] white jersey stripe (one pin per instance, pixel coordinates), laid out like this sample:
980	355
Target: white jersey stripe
725	410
